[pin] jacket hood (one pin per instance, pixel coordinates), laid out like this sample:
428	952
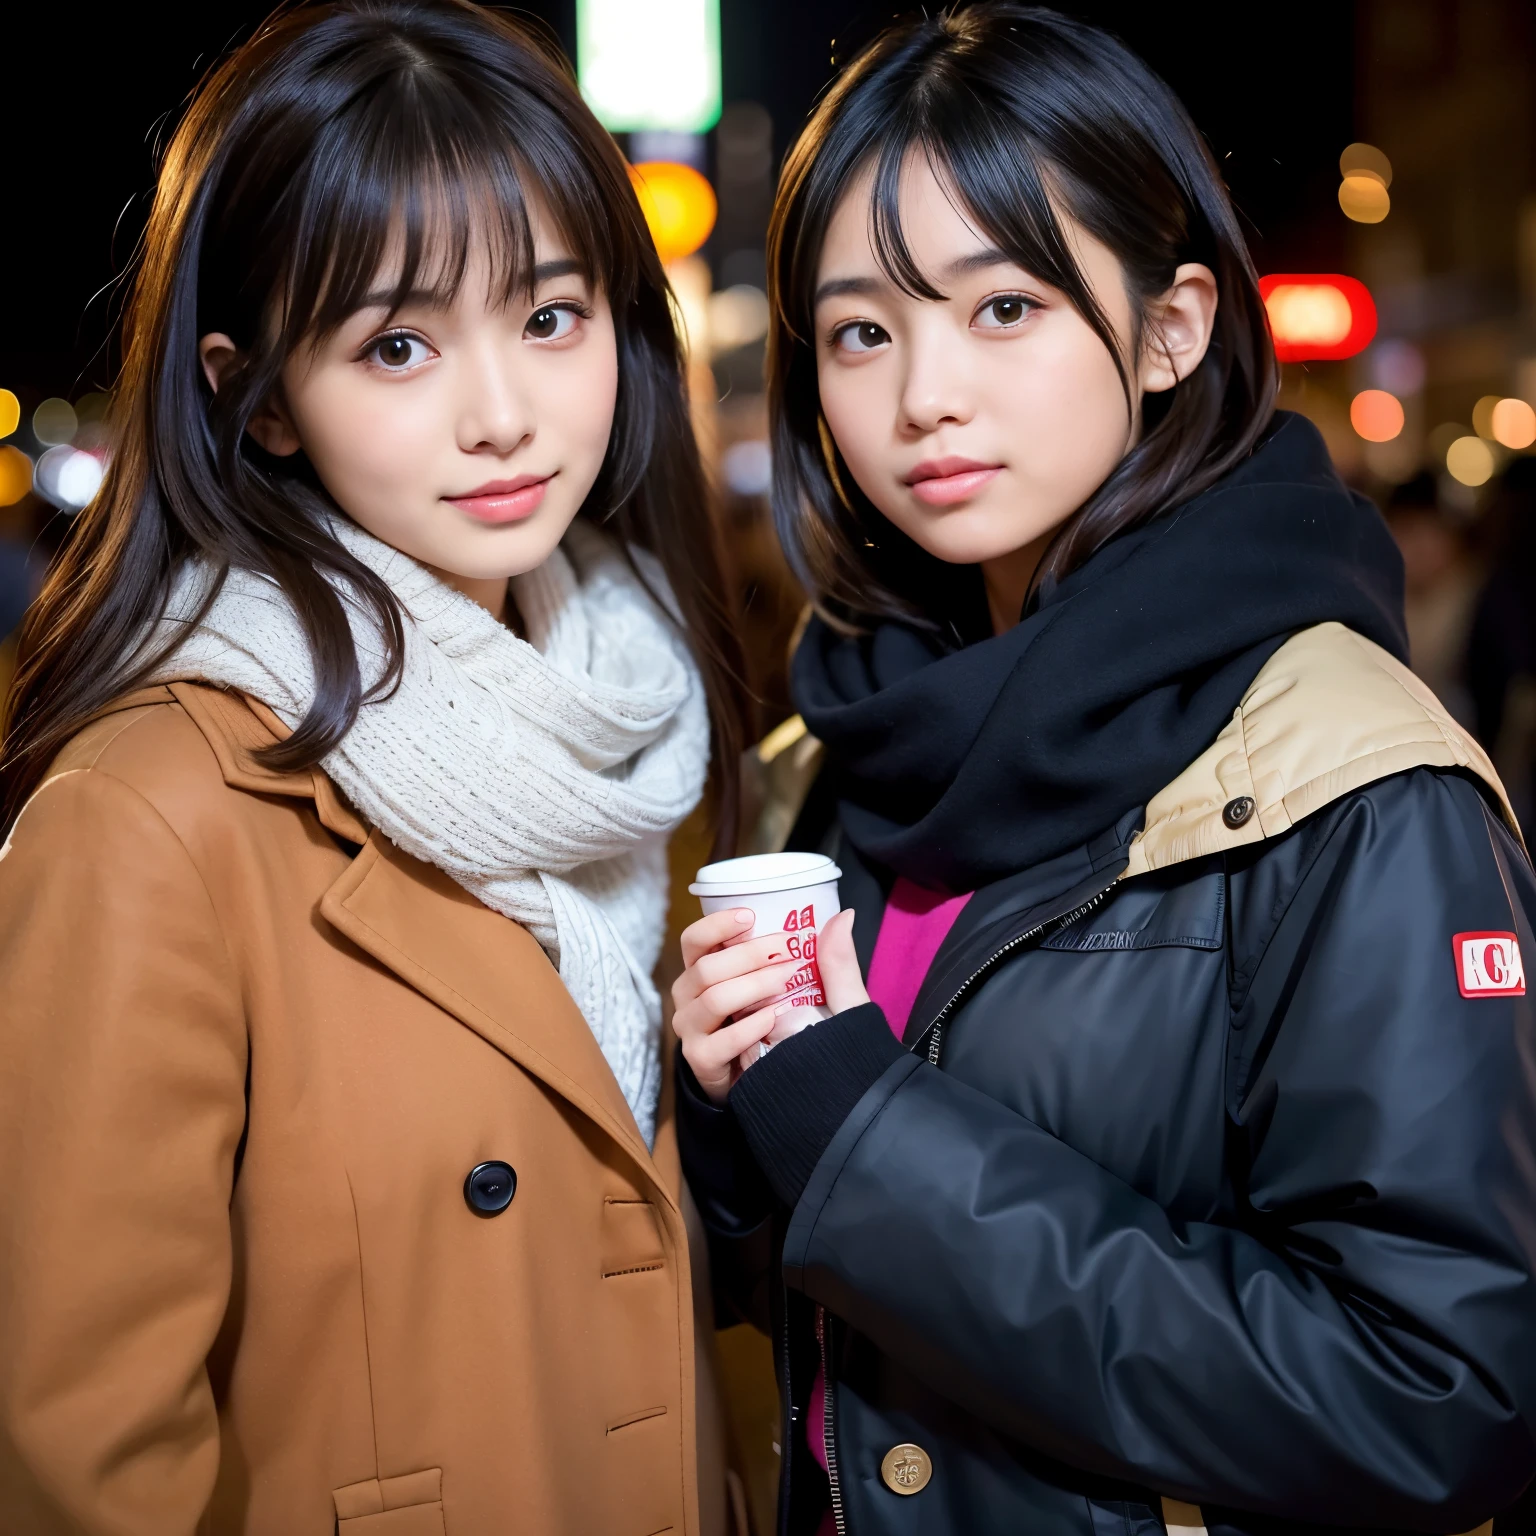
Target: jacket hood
959	767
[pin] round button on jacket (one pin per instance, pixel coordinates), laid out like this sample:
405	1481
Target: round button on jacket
1236	812
906	1469
489	1187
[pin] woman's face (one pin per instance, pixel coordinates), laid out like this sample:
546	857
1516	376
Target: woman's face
979	422
467	435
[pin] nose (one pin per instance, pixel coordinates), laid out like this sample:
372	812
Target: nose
936	388
496	413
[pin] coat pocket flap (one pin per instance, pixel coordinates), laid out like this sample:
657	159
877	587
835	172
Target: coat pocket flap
631	1237
411	1505
418	1520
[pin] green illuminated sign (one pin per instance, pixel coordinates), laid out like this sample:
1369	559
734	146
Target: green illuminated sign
650	65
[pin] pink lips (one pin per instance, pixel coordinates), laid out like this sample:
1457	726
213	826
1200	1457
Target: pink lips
944	482
503	501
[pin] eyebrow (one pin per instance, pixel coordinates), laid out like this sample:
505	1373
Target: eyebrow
544	272
961	266
565	266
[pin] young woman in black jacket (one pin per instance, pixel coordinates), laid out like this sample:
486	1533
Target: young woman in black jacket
1182	1170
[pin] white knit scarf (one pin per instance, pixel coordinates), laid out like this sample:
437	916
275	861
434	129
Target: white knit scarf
545	776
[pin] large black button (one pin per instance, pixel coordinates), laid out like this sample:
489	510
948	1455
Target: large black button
1236	812
489	1187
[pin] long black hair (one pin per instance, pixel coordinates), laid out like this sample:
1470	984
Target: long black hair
337	128
1027	115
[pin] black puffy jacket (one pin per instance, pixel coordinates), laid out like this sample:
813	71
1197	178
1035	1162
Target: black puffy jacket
1207	1183
1203	1185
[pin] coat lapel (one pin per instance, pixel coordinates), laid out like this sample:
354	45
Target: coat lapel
484	969
487	971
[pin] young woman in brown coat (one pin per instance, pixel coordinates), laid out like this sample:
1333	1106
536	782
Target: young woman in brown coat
336	1188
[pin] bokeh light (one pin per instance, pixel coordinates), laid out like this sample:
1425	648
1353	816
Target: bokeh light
690	280
738	316
54	421
1364	199
1513	423
749	468
1482	415
10	413
91	410
1376	415
1318	315
80	478
678	203
15	475
1470	460
1366	160
650	64
1312	314
67	477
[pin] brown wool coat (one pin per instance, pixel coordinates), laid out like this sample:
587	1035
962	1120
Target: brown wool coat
248	1054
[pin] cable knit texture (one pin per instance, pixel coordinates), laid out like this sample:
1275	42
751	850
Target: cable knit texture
545	776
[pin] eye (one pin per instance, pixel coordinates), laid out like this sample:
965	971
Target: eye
552	322
1006	310
860	336
398	352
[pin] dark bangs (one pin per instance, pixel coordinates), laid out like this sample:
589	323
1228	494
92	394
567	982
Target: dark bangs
345	146
1025	115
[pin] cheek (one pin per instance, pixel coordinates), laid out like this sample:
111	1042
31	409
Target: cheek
859	406
583	394
370	446
1062	402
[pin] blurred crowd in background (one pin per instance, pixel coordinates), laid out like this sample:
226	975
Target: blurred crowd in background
1382	152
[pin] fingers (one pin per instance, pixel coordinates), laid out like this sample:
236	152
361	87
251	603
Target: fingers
705	1013
841	978
716	929
729	961
714	1057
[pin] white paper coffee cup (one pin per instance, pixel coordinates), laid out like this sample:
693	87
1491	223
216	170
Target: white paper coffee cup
789	893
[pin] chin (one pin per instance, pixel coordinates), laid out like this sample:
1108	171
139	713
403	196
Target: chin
509	550
973	540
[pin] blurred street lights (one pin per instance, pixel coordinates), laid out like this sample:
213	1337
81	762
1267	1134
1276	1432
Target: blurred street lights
650	65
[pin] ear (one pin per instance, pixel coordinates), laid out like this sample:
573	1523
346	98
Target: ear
1178	329
271	426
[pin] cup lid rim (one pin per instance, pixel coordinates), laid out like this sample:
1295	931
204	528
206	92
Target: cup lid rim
762	873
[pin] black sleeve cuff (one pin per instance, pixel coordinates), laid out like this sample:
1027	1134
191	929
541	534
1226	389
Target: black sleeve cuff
727	1185
791	1103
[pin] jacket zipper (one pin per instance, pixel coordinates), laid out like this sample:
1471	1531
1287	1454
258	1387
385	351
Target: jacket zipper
787	1432
828	1441
936	1029
936	1033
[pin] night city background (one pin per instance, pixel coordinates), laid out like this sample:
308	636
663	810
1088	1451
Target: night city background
1392	142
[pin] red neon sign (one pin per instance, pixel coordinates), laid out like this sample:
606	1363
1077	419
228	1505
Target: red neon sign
1321	315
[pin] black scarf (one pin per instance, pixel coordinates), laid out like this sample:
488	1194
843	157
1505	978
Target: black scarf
959	767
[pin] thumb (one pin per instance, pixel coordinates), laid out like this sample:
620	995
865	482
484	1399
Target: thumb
841	978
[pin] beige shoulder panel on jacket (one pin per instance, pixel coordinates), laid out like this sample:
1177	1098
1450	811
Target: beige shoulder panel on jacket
1329	713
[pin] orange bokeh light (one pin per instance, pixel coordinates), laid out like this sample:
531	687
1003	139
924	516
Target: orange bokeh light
1514	424
1376	415
1363	198
678	203
15	475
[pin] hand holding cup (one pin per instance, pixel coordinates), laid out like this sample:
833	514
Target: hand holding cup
742	989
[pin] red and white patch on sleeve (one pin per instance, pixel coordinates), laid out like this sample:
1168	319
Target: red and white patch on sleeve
1489	965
